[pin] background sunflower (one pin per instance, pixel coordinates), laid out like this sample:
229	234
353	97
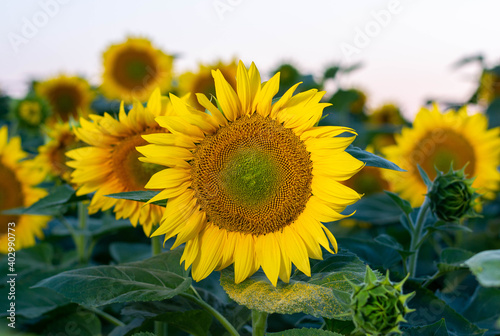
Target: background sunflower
134	68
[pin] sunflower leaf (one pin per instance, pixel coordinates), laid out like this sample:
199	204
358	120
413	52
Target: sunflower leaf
486	267
158	278
53	204
401	203
425	177
326	294
139	196
372	160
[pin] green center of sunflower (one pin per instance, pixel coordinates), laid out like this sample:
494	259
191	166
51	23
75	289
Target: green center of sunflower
250	176
11	196
253	176
132	173
134	69
439	152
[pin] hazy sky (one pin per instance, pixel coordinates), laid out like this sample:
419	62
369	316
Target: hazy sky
407	53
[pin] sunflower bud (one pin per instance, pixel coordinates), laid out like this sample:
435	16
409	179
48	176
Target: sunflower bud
452	196
378	307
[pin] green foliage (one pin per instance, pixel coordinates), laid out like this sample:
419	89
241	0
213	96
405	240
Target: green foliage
372	160
158	278
326	294
486	267
304	332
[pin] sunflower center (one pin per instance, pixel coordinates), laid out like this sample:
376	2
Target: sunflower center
31	112
11	196
65	100
253	176
132	173
134	69
446	148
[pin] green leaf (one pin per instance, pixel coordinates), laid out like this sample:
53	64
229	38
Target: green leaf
331	72
452	259
449	227
371	159
435	329
486	267
425	177
304	332
375	209
371	252
139	196
144	333
391	242
483	309
401	203
82	323
327	293
429	309
157	278
53	204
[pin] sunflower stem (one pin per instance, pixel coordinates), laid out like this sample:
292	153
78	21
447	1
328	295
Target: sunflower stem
107	316
225	323
156	245
416	237
161	328
259	323
80	238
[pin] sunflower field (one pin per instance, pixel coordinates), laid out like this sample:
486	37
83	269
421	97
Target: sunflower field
231	201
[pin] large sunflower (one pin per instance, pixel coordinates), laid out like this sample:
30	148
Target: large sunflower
251	182
52	155
17	181
133	69
437	140
67	96
110	165
202	81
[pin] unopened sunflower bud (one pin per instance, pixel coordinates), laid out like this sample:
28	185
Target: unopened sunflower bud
378	307
452	196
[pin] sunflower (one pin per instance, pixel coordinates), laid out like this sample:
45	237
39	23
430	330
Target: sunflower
110	165
251	182
437	140
52	155
17	181
133	69
67	96
202	81
30	112
387	114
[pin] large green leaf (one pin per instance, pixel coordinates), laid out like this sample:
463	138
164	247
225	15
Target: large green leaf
435	329
486	267
429	309
327	293
139	196
372	160
403	204
484	309
53	204
304	332
158	278
371	252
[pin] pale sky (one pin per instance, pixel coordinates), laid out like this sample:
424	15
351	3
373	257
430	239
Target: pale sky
407	54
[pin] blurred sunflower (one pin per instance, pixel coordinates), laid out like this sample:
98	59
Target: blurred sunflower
133	69
437	140
202	81
52	155
251	183
17	181
30	112
381	140
387	114
67	97
110	165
